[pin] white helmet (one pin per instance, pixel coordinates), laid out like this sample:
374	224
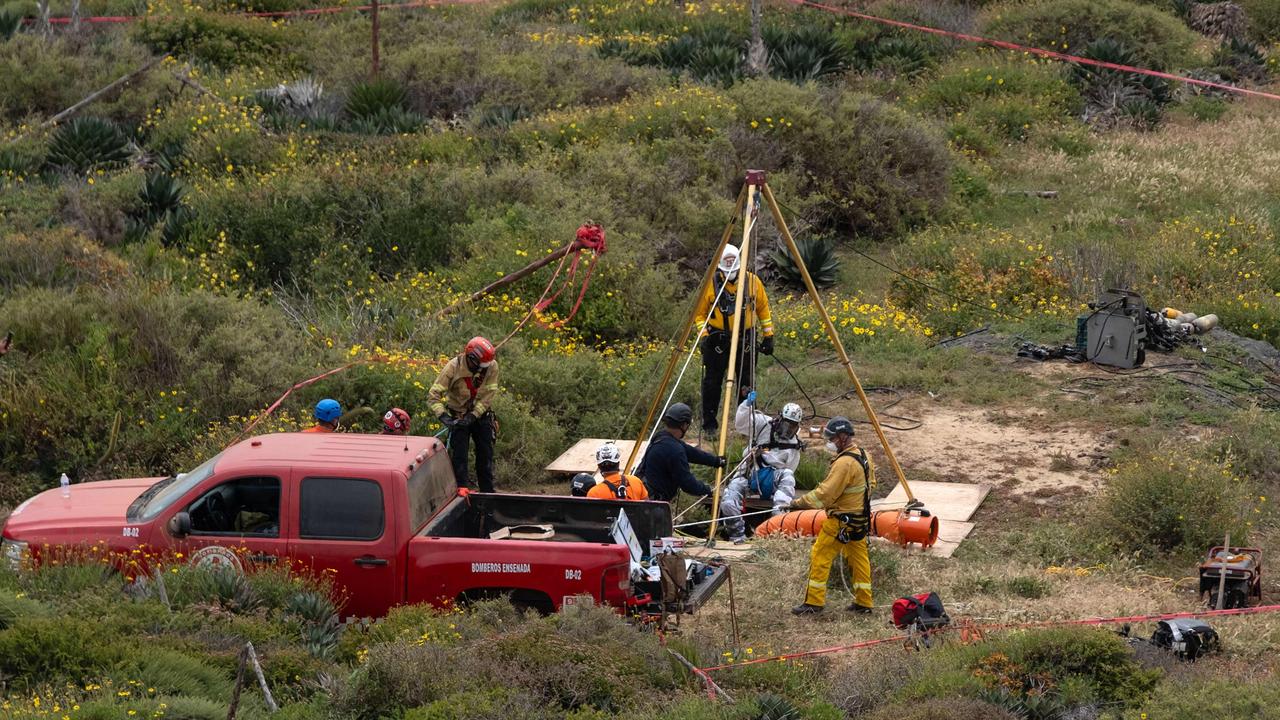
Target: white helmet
729	261
792	412
608	453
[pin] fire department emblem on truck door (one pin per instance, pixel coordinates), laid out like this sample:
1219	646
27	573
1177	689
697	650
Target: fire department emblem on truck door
216	557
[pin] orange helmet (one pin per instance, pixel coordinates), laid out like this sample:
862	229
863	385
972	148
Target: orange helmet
395	422
479	354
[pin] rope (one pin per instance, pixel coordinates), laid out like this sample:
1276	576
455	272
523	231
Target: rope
1050	54
708	522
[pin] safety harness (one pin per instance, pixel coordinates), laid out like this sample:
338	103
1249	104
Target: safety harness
854	527
620	490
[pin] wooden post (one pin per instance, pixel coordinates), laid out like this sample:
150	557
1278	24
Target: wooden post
122	80
757	54
1222	571
235	692
679	348
834	336
755	180
262	680
733	608
508	279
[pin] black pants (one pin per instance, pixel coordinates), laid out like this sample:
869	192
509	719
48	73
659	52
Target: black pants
460	438
715	363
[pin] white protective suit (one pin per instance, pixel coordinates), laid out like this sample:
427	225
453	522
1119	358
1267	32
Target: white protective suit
759	430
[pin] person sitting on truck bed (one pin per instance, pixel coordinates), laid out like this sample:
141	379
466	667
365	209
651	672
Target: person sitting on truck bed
395	422
327	413
665	468
615	485
462	397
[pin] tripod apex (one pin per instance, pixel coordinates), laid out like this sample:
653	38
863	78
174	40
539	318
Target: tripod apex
755	177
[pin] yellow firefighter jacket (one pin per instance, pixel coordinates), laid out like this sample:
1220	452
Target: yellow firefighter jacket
460	392
842	490
755	306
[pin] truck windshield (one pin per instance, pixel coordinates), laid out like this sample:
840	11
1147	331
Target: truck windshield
156	498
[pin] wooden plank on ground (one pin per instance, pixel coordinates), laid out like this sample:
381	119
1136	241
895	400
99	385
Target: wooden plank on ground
947	501
582	456
726	550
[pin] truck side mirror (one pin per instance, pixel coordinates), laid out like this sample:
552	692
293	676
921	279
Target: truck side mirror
180	525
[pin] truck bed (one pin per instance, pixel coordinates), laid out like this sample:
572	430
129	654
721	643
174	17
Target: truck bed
574	519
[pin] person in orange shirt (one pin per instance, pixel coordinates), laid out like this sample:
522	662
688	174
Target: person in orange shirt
615	485
327	413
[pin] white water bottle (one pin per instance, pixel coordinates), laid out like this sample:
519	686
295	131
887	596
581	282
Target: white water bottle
66	485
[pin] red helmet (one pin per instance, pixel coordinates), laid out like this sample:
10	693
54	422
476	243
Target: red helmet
395	422
479	354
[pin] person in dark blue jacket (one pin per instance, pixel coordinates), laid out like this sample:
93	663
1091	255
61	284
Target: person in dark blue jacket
665	468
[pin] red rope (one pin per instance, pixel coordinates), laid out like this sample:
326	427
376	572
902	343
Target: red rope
1005	626
590	237
1034	51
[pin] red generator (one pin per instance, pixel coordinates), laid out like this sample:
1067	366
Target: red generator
1243	586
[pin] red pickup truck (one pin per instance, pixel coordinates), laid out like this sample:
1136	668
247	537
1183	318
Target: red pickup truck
382	514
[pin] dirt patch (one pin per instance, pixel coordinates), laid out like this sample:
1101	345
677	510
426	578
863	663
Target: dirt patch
1020	453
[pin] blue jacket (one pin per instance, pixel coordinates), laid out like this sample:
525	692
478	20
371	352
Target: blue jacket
665	467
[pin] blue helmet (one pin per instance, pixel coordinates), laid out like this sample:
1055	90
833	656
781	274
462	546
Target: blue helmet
328	410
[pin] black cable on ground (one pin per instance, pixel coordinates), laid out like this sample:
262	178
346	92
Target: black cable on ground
913	422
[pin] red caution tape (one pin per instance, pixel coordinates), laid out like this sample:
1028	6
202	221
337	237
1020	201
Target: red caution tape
1003	626
1032	50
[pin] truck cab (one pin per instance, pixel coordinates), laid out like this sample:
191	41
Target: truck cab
380	515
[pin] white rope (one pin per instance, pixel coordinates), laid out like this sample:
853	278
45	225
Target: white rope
708	522
675	387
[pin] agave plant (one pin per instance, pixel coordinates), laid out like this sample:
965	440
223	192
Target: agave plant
806	54
387	121
1240	60
502	116
376	98
900	56
775	707
87	143
10	23
1114	97
819	257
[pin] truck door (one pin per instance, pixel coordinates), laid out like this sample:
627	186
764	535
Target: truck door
345	527
238	521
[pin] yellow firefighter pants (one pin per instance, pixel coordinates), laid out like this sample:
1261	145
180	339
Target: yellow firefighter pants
825	550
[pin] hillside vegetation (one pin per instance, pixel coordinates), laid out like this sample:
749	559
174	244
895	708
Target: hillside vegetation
257	209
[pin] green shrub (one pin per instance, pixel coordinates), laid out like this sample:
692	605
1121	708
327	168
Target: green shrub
67	578
483	704
869	169
1264	19
175	673
87	143
46	650
45	75
222	41
14	608
944	709
10	23
1199	697
819	258
1157	39
58	257
1173	502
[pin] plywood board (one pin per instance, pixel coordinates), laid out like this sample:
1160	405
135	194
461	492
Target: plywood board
946	501
582	456
726	550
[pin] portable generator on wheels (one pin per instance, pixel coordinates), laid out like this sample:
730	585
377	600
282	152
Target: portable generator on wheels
1243	583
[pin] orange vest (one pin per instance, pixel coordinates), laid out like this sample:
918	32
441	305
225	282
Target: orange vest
318	428
617	486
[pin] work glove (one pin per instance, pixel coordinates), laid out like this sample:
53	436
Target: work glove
751	398
448	420
722	461
467	420
766	345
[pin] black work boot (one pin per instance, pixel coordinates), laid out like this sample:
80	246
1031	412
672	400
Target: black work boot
806	609
859	609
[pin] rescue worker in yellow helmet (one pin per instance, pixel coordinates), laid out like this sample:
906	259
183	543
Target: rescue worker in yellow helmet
716	307
845	494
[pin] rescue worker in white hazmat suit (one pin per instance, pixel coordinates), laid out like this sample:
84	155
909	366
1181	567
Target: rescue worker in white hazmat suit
776	447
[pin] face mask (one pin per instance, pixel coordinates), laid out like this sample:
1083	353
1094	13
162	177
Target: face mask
831	448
